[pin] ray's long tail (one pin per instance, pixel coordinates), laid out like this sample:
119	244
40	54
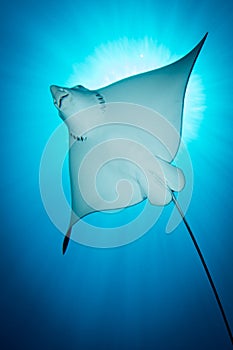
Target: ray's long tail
205	267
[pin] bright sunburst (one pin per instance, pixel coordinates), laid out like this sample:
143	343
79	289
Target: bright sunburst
122	58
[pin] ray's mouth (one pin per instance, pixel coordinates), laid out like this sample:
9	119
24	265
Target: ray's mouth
58	102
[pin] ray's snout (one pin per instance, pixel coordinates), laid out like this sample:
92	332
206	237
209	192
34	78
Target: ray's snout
58	94
53	89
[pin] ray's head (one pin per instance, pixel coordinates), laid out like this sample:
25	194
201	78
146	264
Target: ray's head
69	101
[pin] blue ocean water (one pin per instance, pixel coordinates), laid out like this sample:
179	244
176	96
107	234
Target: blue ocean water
153	293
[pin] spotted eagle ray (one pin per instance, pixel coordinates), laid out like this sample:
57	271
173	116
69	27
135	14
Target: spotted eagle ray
108	116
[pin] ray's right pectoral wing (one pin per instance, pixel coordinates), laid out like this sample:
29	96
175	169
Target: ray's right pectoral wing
161	90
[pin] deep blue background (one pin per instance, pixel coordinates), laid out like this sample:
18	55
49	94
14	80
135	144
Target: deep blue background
152	294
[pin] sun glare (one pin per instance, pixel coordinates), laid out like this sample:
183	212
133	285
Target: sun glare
123	58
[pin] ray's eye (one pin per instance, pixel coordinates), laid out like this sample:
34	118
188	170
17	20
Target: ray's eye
80	87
